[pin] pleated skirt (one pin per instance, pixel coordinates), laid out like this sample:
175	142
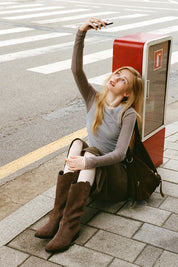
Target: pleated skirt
110	182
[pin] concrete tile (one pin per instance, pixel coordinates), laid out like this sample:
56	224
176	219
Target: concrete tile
169	189
171	153
11	257
172	164
171	128
172	223
107	206
155	200
168	175
78	256
171	145
145	213
167	259
115	224
115	245
86	232
121	263
37	262
172	138
28	243
171	204
148	256
22	218
40	223
158	236
50	192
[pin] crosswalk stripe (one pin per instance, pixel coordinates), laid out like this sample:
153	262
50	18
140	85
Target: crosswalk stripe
99	80
32	38
66	64
15	30
140	24
167	30
75	17
21	6
174	58
43	14
29	9
74	26
39	51
6	3
140	10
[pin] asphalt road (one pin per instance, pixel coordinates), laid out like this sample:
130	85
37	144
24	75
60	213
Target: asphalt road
39	100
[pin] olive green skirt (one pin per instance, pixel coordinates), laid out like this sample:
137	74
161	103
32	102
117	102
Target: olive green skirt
110	182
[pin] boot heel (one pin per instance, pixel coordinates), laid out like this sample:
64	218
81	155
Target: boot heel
75	236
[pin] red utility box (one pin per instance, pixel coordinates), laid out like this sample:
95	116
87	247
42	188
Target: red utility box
150	55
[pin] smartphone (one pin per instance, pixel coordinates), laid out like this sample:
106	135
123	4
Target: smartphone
108	22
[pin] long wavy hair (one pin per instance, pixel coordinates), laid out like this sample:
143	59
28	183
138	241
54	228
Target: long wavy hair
134	100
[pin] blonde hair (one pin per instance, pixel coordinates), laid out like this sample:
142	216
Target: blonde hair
134	100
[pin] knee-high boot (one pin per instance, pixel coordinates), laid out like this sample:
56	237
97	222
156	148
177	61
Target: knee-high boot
70	223
63	184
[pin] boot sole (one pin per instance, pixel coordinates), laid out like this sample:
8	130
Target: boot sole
66	247
44	237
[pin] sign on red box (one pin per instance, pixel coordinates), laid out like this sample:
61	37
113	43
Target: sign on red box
158	59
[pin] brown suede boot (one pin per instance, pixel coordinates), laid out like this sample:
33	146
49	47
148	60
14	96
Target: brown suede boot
70	223
63	184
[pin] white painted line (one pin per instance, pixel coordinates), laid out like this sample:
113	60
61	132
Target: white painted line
66	64
99	80
75	17
74	26
166	30
140	24
32	38
39	51
174	58
140	10
43	14
21	6
29	9
128	6
6	3
15	30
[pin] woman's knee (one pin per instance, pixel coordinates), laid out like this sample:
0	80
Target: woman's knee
76	148
88	154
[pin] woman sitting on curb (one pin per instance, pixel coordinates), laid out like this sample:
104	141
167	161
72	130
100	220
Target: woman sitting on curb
96	170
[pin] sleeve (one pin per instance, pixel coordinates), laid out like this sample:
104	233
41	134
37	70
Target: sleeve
87	91
119	153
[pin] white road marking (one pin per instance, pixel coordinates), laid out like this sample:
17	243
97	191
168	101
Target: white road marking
21	6
140	24
174	58
75	17
29	9
39	51
167	30
66	64
32	38
74	26
99	80
15	30
43	14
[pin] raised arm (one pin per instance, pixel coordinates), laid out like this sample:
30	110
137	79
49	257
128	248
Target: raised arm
119	153
85	88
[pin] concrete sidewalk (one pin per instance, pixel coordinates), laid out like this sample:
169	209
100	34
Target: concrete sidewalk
115	235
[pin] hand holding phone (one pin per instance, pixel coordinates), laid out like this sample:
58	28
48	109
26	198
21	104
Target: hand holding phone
107	22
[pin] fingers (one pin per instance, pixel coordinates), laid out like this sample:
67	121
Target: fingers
96	23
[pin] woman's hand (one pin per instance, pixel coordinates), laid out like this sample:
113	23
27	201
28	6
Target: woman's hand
75	163
90	22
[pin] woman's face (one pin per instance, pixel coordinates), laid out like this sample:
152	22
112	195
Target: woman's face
121	83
